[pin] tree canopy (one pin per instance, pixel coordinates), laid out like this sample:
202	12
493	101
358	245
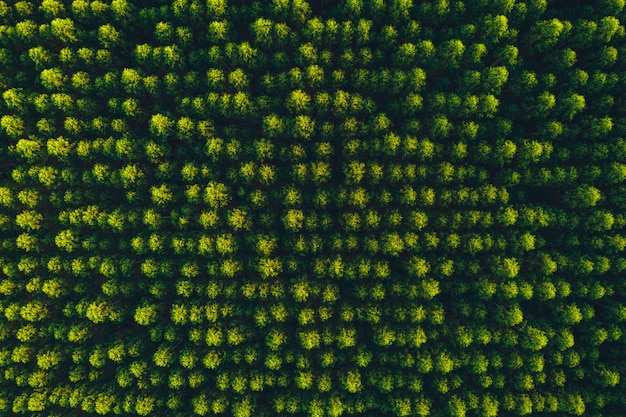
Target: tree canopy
312	208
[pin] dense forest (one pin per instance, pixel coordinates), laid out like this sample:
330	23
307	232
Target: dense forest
290	208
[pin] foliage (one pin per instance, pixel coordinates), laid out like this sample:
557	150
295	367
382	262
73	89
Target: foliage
323	208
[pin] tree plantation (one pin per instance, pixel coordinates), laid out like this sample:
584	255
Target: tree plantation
324	208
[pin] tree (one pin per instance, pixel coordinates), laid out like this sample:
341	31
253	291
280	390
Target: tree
441	126
104	403
131	175
131	80
40	57
269	267
456	407
494	78
26	31
53	79
533	339
242	408
146	314
33	311
238	79
241	104
608	377
298	101
29	220
109	36
164	33
6	199
161	125
262	30
29	197
13	126
507	268
607	28
545	33
304	126
352	382
495	27
293	220
572	105
14	98
99	312
59	147
451	52
584	196
307	54
569	314
66	240
53	288
122	10
406	55
144	405
573	404
161	195
488	105
600	221
392	244
62	101
400	9
272	125
64	29
216	8
48	359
